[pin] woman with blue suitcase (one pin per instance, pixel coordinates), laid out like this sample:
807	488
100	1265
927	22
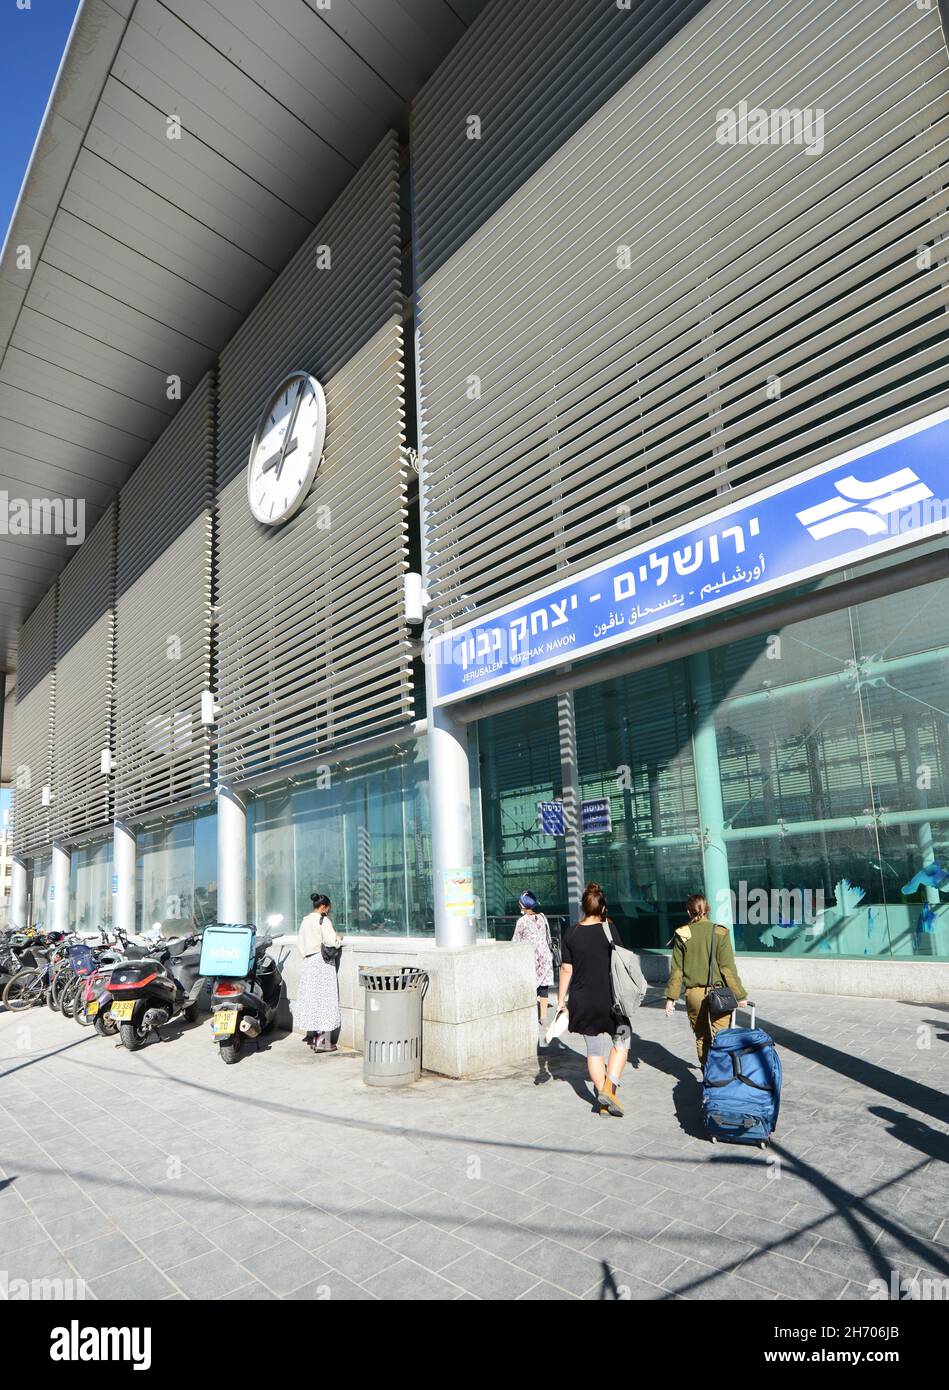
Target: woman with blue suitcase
696	946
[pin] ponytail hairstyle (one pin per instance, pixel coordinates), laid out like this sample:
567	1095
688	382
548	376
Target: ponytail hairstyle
594	902
696	905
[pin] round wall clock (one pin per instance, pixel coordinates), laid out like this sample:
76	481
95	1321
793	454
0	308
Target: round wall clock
287	449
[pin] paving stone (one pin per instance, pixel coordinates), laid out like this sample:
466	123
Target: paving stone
358	1257
311	1228
244	1236
209	1276
407	1282
791	1278
334	1288
136	1281
102	1255
558	1264
488	1277
285	1266
717	1250
20	1232
641	1258
429	1245
699	1281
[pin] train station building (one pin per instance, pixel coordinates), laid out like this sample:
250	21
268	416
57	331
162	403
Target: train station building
509	446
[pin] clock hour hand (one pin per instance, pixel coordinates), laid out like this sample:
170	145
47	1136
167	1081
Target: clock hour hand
274	459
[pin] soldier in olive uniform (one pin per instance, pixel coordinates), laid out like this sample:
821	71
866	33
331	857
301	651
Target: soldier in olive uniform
691	947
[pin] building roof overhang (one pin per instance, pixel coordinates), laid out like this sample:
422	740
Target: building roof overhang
187	148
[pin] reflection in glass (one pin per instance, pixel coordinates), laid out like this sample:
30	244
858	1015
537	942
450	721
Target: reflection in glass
176	874
357	831
90	888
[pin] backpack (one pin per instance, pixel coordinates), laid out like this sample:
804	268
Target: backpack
626	978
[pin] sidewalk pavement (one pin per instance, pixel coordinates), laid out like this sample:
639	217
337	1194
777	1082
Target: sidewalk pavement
165	1174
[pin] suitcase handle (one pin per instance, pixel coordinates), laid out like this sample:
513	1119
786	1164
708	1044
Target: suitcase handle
748	1008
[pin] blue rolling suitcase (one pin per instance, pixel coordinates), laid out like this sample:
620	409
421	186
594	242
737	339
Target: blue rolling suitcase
741	1089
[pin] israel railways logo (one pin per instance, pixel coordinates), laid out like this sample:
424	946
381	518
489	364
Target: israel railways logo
880	499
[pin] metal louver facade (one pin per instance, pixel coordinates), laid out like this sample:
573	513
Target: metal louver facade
33	725
163	615
654	318
313	648
82	793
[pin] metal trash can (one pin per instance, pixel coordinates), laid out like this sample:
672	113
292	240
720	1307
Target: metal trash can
392	1048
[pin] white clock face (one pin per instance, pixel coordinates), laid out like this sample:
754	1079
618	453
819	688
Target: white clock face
287	449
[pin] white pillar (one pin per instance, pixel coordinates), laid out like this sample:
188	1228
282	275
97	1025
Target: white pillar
449	794
59	888
231	856
18	893
123	871
708	791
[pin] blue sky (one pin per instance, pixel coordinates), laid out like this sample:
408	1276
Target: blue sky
32	42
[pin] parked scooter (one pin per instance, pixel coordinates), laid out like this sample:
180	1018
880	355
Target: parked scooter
147	993
95	1002
245	985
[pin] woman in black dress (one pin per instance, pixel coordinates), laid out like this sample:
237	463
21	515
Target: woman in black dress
585	976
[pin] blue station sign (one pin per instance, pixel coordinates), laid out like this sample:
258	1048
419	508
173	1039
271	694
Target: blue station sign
874	499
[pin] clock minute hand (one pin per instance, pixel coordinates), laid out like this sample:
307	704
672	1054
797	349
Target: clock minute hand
289	434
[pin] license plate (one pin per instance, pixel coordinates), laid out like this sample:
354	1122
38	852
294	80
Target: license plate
123	1009
92	1008
224	1022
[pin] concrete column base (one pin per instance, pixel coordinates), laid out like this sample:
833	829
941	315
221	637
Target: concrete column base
480	1012
916	981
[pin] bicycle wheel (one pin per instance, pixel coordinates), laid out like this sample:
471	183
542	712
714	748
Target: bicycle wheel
24	989
70	996
57	985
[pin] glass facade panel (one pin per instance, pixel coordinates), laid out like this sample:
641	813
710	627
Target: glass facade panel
519	765
826	744
39	913
176	873
357	831
90	888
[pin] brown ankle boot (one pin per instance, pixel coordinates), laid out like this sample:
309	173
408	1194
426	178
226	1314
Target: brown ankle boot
608	1098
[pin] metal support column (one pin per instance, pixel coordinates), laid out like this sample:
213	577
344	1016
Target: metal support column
59	887
231	856
123	869
450	800
708	790
570	782
18	893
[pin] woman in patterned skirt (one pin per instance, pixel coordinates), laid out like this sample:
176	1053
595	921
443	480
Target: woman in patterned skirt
317	1003
533	927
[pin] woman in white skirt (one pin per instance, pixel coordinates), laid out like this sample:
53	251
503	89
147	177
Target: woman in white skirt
317	1002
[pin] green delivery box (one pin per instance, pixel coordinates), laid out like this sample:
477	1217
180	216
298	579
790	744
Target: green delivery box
227	951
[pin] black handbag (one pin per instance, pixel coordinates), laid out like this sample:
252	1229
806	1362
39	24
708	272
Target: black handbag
330	954
721	999
555	955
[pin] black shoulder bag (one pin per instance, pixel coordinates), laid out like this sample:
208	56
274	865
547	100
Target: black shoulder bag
721	999
555	955
330	954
